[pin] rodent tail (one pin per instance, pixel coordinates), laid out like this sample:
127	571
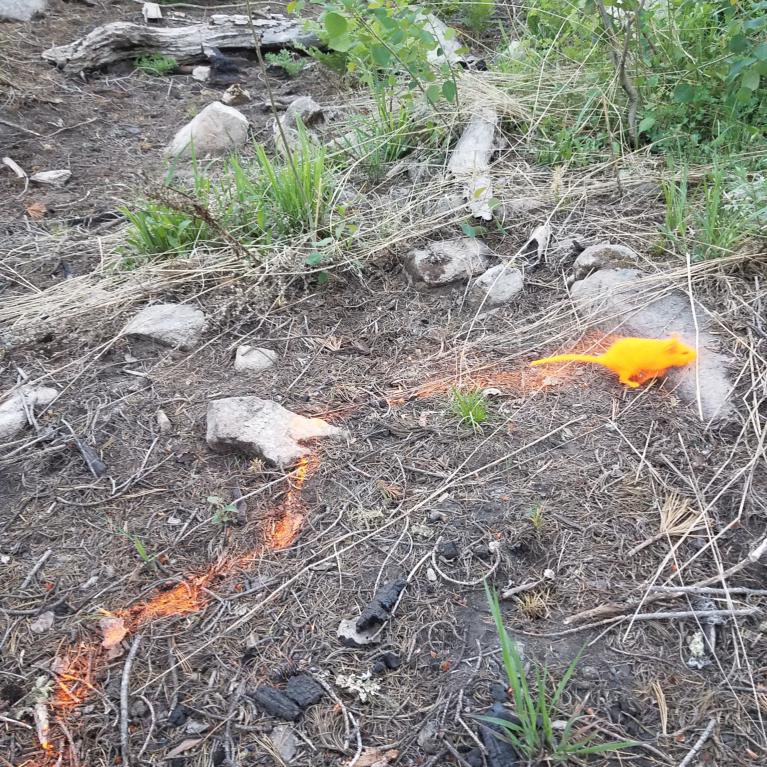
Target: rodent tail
567	358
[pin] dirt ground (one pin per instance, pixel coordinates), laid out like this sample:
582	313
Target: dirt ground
552	493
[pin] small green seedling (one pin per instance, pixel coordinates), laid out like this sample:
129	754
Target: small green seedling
224	513
141	549
532	732
156	64
291	64
537	519
470	407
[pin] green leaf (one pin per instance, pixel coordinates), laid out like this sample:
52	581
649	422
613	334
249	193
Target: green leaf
381	55
760	51
433	93
449	90
739	44
468	229
336	25
323	278
684	93
647	122
314	259
751	80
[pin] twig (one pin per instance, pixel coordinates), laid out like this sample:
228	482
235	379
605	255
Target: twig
124	687
449	746
680	614
40	562
699	743
456	582
709	591
152	723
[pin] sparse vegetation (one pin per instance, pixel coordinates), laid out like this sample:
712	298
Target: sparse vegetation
157	230
478	13
470	407
223	513
291	63
532	732
156	64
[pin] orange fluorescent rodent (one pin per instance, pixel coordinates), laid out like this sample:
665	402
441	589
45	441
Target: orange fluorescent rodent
635	360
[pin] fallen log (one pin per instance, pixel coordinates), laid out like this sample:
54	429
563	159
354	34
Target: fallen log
120	40
470	162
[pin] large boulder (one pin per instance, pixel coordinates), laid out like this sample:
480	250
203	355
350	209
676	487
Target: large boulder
177	325
622	304
265	429
216	130
446	261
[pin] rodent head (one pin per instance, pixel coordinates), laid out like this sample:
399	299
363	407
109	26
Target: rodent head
679	353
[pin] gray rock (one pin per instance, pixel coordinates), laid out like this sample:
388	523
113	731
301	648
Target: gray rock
615	298
21	10
177	325
602	255
235	95
305	109
51	177
43	623
216	130
498	285
284	742
264	428
13	412
441	263
254	360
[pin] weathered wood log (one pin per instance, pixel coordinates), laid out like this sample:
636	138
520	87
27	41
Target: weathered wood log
121	40
470	161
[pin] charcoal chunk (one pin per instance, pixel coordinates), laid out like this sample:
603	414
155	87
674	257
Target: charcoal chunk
498	751
275	703
392	660
177	716
377	612
303	690
447	549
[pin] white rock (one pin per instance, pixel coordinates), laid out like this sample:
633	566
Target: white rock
21	10
51	177
163	422
449	260
264	428
250	359
43	623
349	636
622	306
177	325
217	130
602	255
498	285
284	742
13	411
201	74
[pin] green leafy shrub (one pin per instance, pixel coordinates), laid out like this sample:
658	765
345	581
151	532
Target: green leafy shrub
156	64
379	42
292	65
157	230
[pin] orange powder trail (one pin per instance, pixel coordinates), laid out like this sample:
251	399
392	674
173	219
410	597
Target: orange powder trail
76	669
